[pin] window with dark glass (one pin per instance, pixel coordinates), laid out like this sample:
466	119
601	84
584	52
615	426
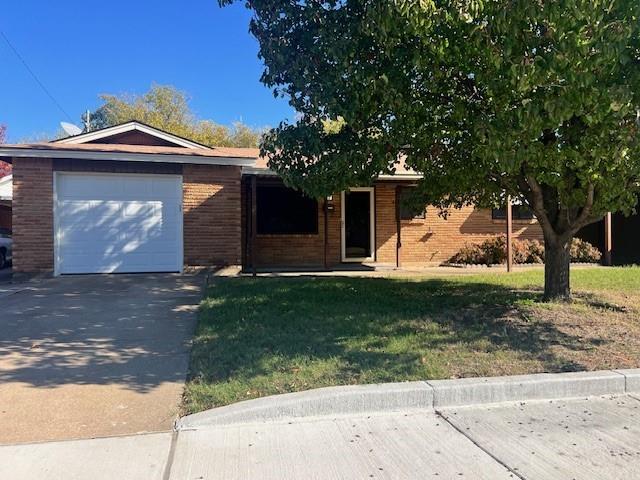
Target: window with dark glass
281	210
519	212
408	210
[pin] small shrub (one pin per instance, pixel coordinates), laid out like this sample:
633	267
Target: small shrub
521	252
470	254
584	252
535	251
493	251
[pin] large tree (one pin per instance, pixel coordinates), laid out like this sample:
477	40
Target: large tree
536	99
167	108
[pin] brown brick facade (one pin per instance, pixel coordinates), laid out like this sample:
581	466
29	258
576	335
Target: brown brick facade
32	215
434	239
429	241
211	209
214	221
212	217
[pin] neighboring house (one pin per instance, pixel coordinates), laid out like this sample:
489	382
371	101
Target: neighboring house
6	195
132	198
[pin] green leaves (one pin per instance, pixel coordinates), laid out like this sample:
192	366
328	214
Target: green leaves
167	108
481	96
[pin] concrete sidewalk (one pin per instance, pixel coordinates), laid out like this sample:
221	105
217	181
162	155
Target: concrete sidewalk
595	438
582	425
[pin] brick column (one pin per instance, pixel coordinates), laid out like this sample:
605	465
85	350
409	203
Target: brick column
212	215
32	215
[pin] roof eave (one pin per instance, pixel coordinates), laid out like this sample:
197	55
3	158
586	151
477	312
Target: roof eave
270	173
125	156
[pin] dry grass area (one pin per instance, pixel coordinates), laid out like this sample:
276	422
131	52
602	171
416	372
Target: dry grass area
262	336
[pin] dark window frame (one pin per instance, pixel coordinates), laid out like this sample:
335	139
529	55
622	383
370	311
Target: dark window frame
290	218
406	214
518	212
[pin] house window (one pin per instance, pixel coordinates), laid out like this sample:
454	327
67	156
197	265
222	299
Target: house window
407	210
284	211
519	212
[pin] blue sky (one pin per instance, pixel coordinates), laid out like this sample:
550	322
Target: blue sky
80	49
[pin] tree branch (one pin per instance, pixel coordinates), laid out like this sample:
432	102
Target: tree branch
585	213
537	203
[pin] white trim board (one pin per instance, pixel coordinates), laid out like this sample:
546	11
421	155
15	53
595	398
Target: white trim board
130	127
372	226
124	156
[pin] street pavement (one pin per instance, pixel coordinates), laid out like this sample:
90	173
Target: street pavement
591	438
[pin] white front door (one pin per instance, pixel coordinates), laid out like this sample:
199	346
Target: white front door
107	223
358	225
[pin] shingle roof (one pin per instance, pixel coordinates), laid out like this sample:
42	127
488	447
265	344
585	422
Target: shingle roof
226	152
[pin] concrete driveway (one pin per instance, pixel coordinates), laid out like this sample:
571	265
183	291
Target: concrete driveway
90	356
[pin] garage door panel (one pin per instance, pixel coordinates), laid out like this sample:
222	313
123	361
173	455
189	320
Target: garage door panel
164	189
118	223
88	187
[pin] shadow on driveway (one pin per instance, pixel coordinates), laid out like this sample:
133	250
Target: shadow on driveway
102	354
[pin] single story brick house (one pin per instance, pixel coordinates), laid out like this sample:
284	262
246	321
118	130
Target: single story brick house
131	198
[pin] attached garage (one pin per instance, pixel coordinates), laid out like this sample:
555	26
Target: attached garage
117	223
125	199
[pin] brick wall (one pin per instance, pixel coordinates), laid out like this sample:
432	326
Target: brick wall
295	250
433	240
427	241
212	217
32	215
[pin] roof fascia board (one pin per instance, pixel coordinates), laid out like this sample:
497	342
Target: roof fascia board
268	172
126	157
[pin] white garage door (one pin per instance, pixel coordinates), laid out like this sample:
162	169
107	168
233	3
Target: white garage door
118	223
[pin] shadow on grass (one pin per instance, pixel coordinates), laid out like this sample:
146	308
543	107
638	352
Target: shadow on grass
329	331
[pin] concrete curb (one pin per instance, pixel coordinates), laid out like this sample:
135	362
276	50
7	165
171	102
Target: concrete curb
352	399
432	394
479	391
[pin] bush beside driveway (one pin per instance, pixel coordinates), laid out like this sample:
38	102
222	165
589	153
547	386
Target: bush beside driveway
263	336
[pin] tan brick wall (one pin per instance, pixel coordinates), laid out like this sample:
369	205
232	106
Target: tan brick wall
297	250
428	241
212	217
32	215
433	240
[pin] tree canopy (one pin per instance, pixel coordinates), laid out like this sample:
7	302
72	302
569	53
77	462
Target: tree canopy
535	99
167	108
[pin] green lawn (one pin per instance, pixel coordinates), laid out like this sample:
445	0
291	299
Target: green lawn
263	336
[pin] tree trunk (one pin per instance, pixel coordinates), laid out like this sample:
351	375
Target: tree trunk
556	269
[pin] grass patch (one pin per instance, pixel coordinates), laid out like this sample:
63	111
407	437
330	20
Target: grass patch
263	336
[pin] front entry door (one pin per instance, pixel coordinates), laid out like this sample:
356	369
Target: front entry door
357	225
